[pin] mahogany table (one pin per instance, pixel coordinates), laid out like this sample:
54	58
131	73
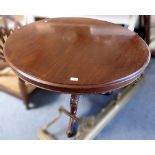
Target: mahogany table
76	56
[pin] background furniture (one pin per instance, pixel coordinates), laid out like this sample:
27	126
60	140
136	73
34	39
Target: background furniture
151	33
9	82
146	29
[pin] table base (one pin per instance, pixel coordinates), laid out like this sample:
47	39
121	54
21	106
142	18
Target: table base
91	126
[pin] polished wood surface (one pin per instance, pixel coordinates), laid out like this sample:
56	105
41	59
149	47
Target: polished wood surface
76	55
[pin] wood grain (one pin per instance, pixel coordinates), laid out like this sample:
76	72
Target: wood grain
99	55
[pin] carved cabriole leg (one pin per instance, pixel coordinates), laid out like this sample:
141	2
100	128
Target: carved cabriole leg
72	127
24	94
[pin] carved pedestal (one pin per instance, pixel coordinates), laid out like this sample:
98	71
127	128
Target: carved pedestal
73	124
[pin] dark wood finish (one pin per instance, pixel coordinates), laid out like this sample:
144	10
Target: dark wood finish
144	27
147	21
145	24
73	124
103	56
24	94
153	53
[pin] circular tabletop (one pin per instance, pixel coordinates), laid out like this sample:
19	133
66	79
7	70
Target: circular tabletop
76	55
